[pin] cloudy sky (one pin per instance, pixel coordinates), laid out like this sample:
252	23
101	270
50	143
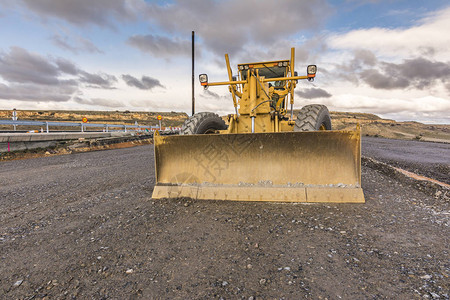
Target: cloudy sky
387	57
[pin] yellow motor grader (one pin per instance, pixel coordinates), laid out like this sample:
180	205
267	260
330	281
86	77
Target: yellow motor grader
262	153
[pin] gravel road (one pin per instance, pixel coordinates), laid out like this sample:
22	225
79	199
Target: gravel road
84	226
424	158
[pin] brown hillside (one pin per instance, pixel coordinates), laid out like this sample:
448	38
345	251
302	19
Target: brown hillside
116	117
372	125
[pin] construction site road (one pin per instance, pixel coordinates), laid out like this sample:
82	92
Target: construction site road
84	226
424	158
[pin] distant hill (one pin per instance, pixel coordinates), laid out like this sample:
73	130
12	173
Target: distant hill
116	117
372	125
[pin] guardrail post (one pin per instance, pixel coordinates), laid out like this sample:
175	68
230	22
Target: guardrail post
82	126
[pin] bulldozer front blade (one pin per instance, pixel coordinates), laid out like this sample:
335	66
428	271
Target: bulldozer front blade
316	166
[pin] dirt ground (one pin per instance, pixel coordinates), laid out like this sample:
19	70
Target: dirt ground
84	226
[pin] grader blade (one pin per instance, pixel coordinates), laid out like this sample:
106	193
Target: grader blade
316	166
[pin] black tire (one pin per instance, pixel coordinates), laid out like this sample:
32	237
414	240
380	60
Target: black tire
203	123
313	117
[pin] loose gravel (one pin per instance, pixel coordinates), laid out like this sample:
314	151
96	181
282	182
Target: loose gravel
84	226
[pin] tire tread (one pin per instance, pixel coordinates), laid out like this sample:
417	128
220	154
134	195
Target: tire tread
308	117
192	124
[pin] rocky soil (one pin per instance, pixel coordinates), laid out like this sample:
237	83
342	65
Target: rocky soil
84	226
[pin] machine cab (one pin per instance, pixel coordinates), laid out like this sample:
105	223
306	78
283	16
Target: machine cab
271	69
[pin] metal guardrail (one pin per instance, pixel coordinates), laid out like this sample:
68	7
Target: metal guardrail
82	125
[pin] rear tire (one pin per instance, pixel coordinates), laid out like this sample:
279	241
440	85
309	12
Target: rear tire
203	123
313	117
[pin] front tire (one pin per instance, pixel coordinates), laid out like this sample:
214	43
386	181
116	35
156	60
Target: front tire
203	123
313	117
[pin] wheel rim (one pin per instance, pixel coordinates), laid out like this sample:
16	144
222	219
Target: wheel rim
322	127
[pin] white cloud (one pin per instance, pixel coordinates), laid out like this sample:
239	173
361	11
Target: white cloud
232	25
428	38
398	73
160	46
74	45
86	12
426	109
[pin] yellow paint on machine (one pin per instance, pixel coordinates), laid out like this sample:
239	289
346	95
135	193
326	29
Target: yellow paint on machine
313	166
263	154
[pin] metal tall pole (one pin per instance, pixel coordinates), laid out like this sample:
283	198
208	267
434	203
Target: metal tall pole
14	117
193	97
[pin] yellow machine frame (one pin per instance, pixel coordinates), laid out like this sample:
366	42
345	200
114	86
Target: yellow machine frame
260	157
255	96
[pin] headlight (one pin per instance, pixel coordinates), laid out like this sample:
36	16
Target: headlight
311	70
280	64
246	67
285	63
203	79
241	68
